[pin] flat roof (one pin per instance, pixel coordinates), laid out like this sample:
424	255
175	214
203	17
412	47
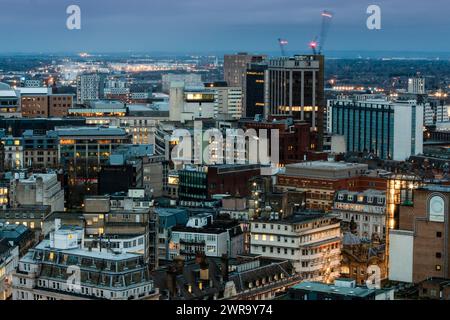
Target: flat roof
90	131
326	165
45	245
333	289
435	187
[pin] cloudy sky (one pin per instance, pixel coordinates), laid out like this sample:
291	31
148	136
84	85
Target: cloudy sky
220	25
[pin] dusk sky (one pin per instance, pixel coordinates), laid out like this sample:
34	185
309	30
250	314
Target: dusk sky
220	25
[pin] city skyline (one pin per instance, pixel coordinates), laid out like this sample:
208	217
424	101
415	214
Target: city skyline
197	25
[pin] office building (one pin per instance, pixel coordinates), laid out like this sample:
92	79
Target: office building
90	86
43	272
310	240
201	184
366	210
206	235
37	190
82	151
17	126
40	150
13	152
34	102
295	89
189	104
416	85
9	101
321	179
294	139
341	289
168	218
235	66
59	104
253	94
228	102
387	129
189	80
419	246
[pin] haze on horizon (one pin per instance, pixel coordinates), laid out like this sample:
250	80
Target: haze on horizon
220	25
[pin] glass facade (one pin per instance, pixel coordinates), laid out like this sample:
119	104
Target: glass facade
367	127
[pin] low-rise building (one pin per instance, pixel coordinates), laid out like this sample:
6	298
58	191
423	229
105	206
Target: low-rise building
203	234
310	240
367	210
9	260
61	269
321	179
342	289
246	277
37	190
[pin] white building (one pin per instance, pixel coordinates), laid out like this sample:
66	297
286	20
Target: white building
188	79
190	104
203	235
60	269
416	85
388	129
228	100
312	242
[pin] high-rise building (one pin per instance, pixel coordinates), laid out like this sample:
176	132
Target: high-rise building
235	67
416	85
295	89
228	101
388	129
90	86
253	95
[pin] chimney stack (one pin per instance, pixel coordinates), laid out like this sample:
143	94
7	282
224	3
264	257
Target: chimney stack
171	281
225	268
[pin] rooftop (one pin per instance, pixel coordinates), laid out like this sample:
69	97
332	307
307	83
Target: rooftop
90	131
360	292
106	255
436	188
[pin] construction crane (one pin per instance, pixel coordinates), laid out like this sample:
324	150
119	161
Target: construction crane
317	44
283	43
